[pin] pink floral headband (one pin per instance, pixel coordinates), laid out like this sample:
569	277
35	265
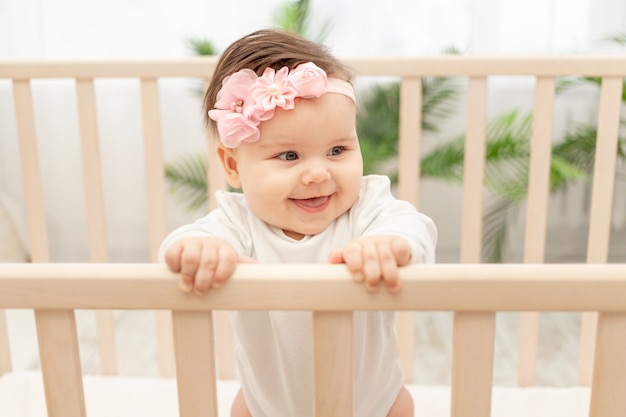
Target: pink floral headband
246	99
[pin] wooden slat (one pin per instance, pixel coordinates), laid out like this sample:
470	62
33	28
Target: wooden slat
604	170
409	142
105	322
588	329
157	215
601	206
527	348
5	349
609	381
408	189
31	176
539	171
536	217
333	353
165	344
92	171
195	363
224	345
153	154
94	203
472	364
60	363
474	170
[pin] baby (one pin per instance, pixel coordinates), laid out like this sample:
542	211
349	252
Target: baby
285	111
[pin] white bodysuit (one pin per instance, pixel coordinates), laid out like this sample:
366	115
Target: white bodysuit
274	355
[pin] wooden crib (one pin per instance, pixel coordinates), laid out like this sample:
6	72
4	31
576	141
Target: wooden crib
193	330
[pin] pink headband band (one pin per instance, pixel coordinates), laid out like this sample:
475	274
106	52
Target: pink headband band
245	99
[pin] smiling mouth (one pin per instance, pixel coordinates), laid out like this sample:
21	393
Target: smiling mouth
312	205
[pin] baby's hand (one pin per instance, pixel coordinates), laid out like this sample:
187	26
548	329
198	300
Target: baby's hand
203	262
374	258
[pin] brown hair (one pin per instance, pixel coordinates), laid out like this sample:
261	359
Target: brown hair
271	48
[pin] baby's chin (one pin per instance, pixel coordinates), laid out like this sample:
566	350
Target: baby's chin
299	234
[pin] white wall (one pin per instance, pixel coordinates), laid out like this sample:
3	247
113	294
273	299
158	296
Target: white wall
141	29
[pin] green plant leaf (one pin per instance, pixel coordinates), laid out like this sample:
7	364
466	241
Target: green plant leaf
187	179
201	46
295	16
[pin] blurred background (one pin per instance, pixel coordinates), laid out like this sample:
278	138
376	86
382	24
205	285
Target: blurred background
71	29
141	29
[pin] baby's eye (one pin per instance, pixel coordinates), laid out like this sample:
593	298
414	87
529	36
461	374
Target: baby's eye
336	150
287	156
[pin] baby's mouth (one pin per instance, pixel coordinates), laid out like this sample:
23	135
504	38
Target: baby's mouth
313	204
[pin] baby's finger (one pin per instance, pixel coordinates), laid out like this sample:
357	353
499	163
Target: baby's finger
226	262
172	257
389	268
205	273
246	260
353	258
189	263
371	265
336	257
401	251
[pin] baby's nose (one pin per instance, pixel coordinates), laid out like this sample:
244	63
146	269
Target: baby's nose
315	173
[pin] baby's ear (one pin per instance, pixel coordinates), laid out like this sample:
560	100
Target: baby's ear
229	162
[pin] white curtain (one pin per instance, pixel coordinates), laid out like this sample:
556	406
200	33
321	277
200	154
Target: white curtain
144	28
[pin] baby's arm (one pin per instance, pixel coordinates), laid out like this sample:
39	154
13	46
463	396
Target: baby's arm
204	262
373	259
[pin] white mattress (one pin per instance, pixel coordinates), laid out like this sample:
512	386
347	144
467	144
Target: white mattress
21	395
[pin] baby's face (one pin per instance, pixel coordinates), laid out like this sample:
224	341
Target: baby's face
306	169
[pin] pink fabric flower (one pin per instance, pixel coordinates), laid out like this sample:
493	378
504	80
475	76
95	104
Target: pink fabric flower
235	88
309	80
271	90
234	128
245	100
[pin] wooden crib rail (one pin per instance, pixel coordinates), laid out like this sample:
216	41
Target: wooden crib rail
476	292
319	287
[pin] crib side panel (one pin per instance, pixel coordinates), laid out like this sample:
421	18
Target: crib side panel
475	292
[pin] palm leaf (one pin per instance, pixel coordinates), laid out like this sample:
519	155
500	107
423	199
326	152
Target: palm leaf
439	101
295	16
618	38
499	212
187	178
506	172
201	46
378	117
